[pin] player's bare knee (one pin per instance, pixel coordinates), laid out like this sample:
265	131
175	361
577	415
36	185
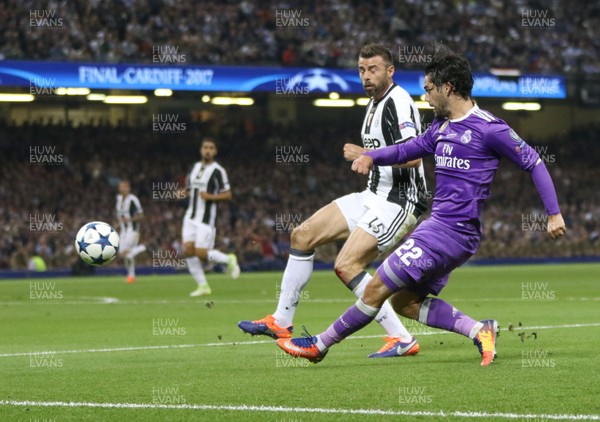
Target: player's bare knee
346	269
340	268
302	239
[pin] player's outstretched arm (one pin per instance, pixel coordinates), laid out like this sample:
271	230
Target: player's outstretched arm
505	142
352	152
415	148
403	153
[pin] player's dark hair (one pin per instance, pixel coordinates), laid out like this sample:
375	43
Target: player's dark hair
209	139
372	50
446	66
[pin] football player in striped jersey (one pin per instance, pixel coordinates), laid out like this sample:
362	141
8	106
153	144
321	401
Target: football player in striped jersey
372	221
208	185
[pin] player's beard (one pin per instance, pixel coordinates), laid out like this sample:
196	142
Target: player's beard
441	109
441	112
377	90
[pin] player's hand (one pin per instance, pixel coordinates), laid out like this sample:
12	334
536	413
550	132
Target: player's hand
362	164
206	196
556	226
352	152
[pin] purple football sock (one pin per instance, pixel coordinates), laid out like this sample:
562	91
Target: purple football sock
356	317
439	314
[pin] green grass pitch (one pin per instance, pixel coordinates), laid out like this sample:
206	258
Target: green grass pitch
100	349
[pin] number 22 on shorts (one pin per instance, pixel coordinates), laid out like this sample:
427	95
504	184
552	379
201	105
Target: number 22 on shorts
407	251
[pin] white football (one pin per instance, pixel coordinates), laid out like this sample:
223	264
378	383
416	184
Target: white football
97	243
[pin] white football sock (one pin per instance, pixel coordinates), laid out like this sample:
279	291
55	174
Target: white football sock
218	256
320	345
130	265
195	268
296	275
386	316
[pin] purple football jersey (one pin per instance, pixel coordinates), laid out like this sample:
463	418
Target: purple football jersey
467	153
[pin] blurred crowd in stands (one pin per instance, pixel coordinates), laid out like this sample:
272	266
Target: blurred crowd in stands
555	36
57	177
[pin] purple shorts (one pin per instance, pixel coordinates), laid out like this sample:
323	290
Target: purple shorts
423	263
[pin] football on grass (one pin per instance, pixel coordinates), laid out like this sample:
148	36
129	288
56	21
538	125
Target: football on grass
97	243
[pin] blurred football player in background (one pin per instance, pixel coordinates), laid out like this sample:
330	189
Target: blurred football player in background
129	215
208	184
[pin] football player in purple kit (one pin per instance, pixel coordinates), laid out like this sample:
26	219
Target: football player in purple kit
467	144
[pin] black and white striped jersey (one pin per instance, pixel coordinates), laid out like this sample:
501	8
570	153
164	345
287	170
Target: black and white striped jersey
211	178
394	119
128	207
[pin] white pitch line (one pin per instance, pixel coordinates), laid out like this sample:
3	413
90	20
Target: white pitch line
131	349
245	343
282	409
115	301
